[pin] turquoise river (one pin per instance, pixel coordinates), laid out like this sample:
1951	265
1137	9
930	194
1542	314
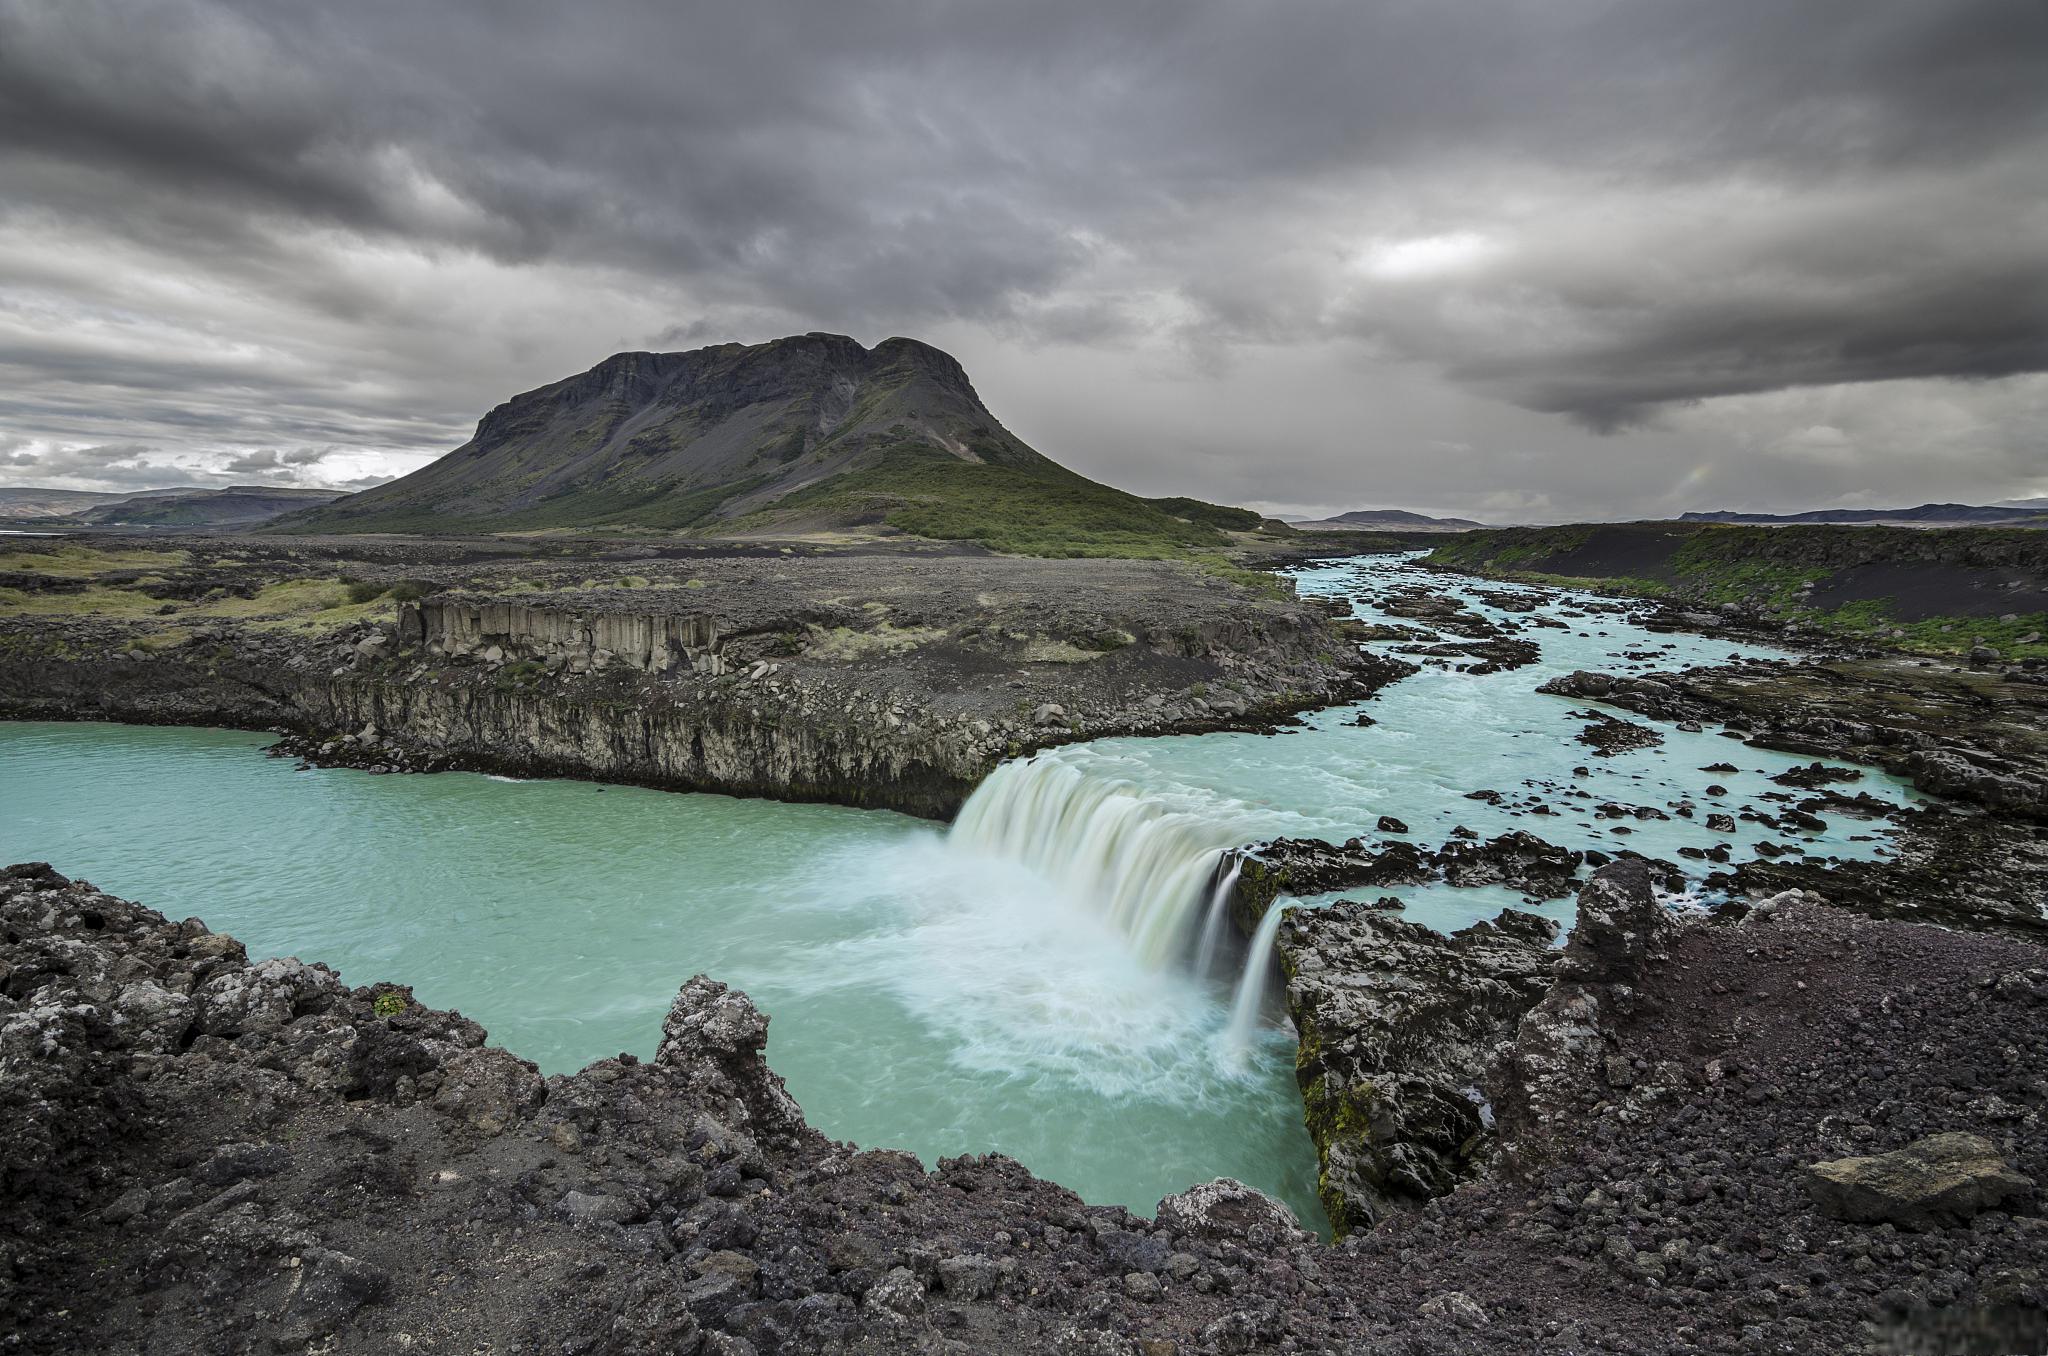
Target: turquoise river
1020	983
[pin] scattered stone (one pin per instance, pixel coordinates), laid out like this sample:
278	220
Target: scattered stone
1816	775
1932	1183
1611	735
1454	1306
1228	1210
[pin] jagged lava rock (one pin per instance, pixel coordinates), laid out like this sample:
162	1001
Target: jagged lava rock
1397	1022
1560	1047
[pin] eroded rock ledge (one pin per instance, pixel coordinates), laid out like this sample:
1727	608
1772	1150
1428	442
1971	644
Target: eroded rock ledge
1396	1024
1303	867
886	682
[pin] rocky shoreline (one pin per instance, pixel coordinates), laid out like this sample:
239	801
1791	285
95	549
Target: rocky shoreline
209	1153
1975	740
1389	1014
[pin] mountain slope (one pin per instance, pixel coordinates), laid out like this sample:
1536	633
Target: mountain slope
35	504
671	440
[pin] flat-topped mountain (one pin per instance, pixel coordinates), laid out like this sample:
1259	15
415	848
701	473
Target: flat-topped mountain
680	439
177	506
1384	519
1927	515
233	506
30	503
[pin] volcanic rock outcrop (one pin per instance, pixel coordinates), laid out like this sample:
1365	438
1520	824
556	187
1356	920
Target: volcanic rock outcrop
893	682
1397	1023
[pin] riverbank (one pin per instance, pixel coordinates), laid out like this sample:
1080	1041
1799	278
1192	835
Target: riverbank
211	1152
1979	594
1396	1020
1978	740
1393	1119
893	680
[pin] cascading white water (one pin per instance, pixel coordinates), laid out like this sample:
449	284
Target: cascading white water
1251	985
1218	915
1148	863
1143	862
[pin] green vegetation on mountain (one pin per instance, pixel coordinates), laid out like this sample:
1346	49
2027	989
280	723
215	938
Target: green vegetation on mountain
1038	512
659	507
1931	590
805	436
1217	515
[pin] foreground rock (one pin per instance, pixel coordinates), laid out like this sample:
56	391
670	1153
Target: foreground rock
1665	1175
209	1155
1943	1180
1564	1045
1397	1023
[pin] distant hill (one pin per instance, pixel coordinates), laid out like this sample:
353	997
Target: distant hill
176	506
34	504
234	506
1369	519
809	433
1926	515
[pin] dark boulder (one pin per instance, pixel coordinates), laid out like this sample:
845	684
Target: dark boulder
1396	1024
1932	1183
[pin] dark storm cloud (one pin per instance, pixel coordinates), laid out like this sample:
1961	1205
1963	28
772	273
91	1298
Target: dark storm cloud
309	224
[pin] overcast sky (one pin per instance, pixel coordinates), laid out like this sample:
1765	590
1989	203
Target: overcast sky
1526	259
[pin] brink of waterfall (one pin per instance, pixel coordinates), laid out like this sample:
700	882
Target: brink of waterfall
1152	865
1147	864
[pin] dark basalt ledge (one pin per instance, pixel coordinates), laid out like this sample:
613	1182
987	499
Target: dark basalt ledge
1401	1027
1972	736
1396	1023
1307	866
205	1154
613	689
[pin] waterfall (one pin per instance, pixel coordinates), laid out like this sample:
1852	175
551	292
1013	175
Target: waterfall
1147	859
1143	860
1218	915
1251	985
